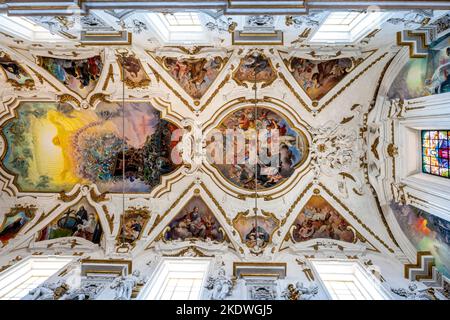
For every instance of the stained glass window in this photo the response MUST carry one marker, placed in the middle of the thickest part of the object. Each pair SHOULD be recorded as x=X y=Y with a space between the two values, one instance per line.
x=435 y=152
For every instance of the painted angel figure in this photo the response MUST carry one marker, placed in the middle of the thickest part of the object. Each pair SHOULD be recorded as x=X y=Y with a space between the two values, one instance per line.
x=220 y=285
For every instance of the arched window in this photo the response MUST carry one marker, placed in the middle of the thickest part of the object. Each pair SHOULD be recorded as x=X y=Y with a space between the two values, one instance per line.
x=177 y=279
x=435 y=152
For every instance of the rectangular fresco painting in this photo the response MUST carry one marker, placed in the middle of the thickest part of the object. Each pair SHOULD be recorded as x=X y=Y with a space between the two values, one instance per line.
x=426 y=232
x=435 y=152
x=51 y=147
x=424 y=76
x=133 y=223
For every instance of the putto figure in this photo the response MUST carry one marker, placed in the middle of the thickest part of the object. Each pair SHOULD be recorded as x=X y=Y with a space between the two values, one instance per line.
x=300 y=292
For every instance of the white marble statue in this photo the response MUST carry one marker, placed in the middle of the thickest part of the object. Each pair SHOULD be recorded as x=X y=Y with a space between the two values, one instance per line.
x=48 y=291
x=220 y=285
x=414 y=293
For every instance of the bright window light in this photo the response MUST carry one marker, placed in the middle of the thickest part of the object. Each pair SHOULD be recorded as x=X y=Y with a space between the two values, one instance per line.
x=17 y=281
x=177 y=279
x=26 y=29
x=348 y=280
x=178 y=27
x=348 y=26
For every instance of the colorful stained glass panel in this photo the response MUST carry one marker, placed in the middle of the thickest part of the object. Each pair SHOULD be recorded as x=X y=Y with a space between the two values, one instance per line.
x=435 y=152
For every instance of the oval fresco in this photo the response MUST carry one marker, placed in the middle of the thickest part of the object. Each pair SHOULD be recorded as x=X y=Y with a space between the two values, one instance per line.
x=283 y=148
x=52 y=147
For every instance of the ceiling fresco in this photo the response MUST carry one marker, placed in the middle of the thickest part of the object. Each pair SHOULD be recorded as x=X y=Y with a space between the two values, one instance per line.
x=80 y=220
x=319 y=220
x=14 y=221
x=256 y=233
x=195 y=221
x=120 y=149
x=132 y=71
x=132 y=226
x=255 y=67
x=427 y=232
x=15 y=74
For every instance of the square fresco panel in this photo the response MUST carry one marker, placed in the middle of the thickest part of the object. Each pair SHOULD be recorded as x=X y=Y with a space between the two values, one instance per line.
x=256 y=231
x=133 y=223
x=255 y=67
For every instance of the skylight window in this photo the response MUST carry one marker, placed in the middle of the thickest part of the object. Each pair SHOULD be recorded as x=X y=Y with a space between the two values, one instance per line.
x=178 y=27
x=26 y=29
x=177 y=279
x=348 y=280
x=348 y=27
x=17 y=281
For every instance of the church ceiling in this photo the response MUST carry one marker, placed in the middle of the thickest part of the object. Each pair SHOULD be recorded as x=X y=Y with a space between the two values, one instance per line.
x=76 y=113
